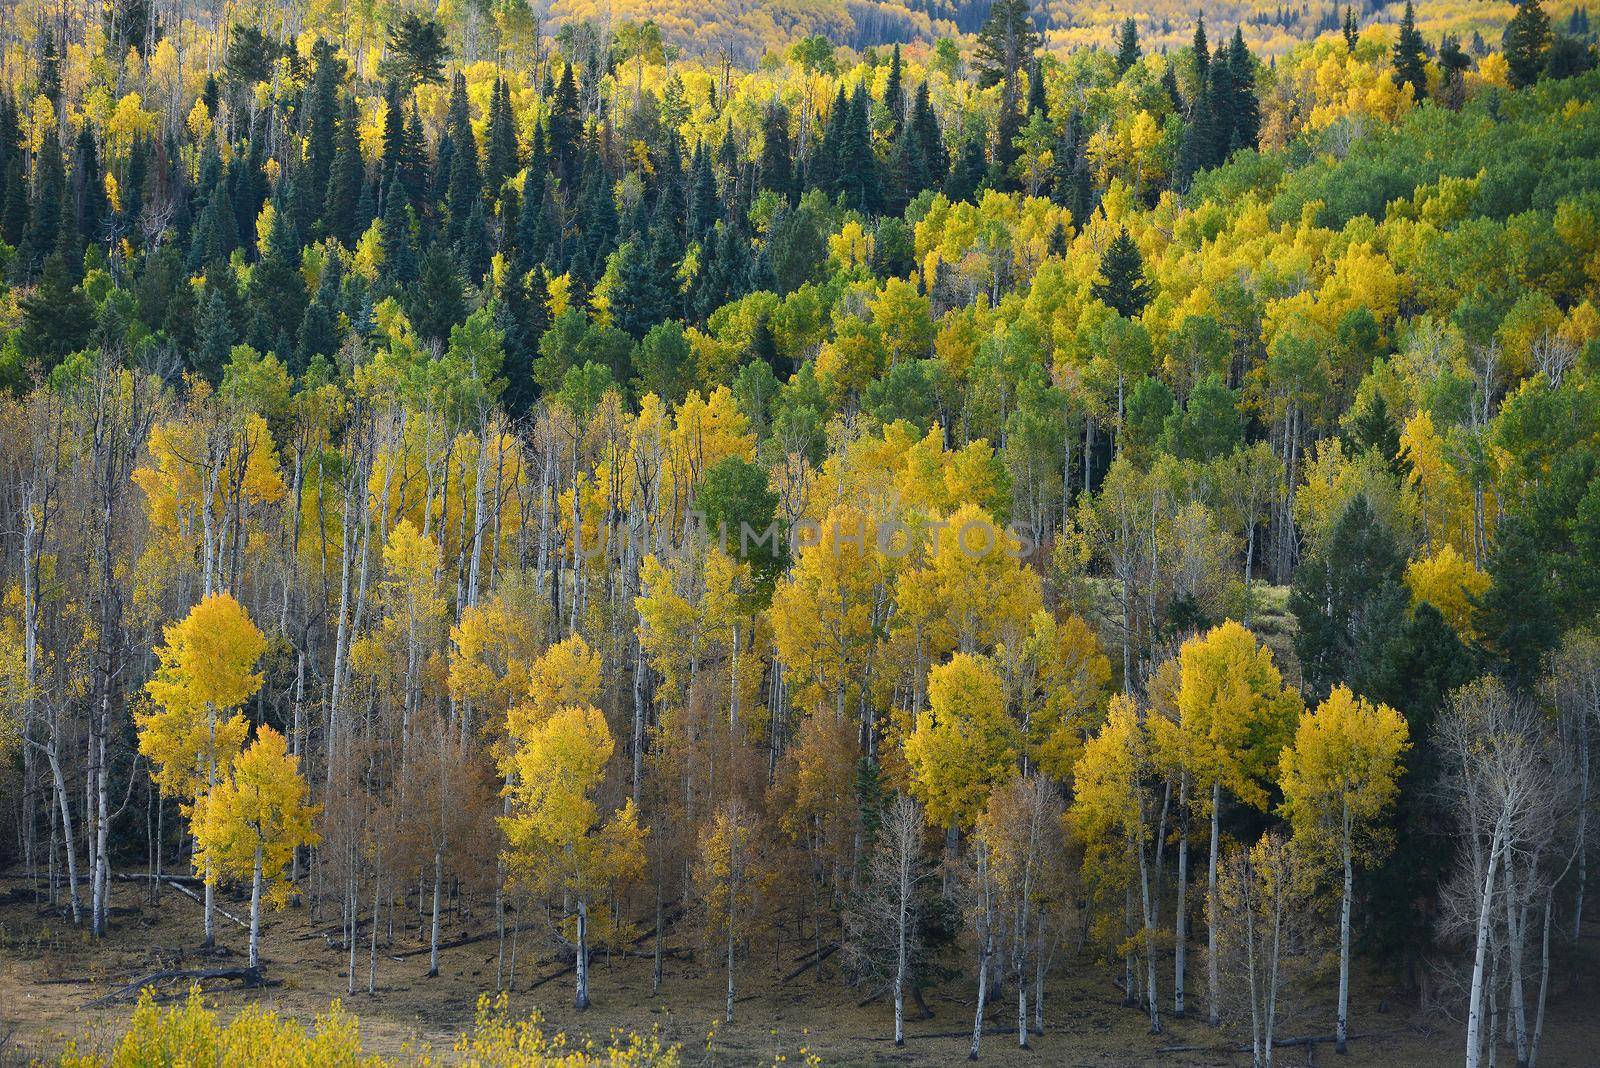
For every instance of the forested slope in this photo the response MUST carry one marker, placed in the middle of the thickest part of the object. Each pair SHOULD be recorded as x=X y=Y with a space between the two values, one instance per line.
x=670 y=502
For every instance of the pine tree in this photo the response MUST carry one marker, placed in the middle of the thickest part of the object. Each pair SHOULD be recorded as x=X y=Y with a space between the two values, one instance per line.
x=1518 y=616
x=436 y=302
x=1128 y=52
x=322 y=112
x=346 y=182
x=89 y=192
x=57 y=317
x=777 y=159
x=894 y=94
x=1201 y=53
x=500 y=155
x=1124 y=288
x=1527 y=37
x=399 y=246
x=214 y=340
x=1005 y=47
x=1409 y=66
x=43 y=234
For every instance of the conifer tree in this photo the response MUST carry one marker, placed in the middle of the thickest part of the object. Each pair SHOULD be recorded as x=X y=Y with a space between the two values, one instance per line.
x=1128 y=51
x=1409 y=66
x=1527 y=38
x=1123 y=288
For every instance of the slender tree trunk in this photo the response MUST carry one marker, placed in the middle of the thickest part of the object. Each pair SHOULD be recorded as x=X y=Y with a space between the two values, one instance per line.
x=1341 y=1030
x=581 y=1001
x=255 y=911
x=438 y=882
x=1180 y=924
x=1480 y=954
x=1213 y=987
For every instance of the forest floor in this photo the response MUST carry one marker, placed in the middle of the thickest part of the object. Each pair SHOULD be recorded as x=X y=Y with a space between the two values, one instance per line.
x=51 y=977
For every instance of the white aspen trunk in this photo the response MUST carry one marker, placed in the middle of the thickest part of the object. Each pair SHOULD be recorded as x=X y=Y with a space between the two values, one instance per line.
x=901 y=957
x=1341 y=1030
x=64 y=803
x=1544 y=982
x=255 y=911
x=1516 y=1014
x=438 y=883
x=983 y=991
x=1479 y=959
x=1180 y=925
x=1213 y=1007
x=581 y=999
x=1149 y=942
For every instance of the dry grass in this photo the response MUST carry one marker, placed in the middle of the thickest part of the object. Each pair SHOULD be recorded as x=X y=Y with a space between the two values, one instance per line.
x=50 y=973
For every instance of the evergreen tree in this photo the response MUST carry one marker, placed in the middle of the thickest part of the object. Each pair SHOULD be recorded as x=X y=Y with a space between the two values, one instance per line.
x=1527 y=37
x=1409 y=66
x=1201 y=53
x=1005 y=47
x=500 y=154
x=436 y=303
x=1128 y=52
x=50 y=70
x=322 y=112
x=346 y=182
x=1351 y=32
x=399 y=246
x=1338 y=588
x=894 y=94
x=57 y=318
x=417 y=52
x=14 y=200
x=1518 y=616
x=214 y=338
x=277 y=289
x=1123 y=287
x=43 y=234
x=89 y=193
x=565 y=126
x=777 y=159
x=1243 y=108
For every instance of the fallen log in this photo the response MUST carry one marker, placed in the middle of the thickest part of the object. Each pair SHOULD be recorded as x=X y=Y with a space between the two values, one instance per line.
x=250 y=977
x=816 y=959
x=190 y=894
x=454 y=943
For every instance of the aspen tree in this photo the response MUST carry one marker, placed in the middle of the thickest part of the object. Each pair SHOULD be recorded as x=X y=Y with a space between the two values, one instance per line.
x=252 y=821
x=1338 y=777
x=207 y=670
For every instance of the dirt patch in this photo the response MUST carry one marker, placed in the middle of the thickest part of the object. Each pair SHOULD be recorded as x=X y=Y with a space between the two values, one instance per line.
x=51 y=974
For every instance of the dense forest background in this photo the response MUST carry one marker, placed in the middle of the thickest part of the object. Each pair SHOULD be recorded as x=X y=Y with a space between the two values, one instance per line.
x=914 y=483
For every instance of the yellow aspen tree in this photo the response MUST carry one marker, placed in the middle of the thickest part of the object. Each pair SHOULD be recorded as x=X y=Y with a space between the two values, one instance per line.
x=1117 y=797
x=207 y=669
x=1065 y=680
x=252 y=821
x=558 y=841
x=1234 y=716
x=1452 y=584
x=963 y=743
x=1339 y=776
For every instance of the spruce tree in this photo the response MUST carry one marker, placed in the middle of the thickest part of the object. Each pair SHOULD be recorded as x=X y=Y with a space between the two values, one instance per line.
x=57 y=318
x=346 y=181
x=1245 y=127
x=1409 y=66
x=1123 y=287
x=44 y=220
x=214 y=338
x=1527 y=37
x=89 y=193
x=894 y=94
x=1128 y=52
x=1351 y=32
x=500 y=154
x=777 y=159
x=436 y=303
